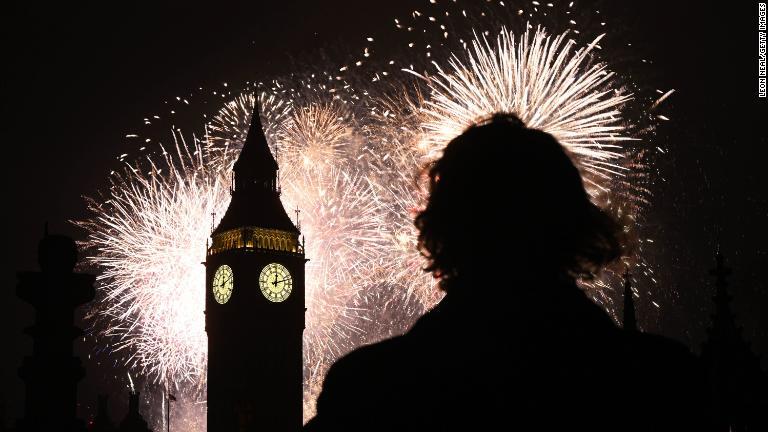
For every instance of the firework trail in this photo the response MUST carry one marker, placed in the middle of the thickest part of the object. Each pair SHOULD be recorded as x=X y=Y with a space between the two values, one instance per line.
x=350 y=162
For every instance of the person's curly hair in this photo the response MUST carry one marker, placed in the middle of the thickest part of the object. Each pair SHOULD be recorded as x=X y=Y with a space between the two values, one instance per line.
x=501 y=187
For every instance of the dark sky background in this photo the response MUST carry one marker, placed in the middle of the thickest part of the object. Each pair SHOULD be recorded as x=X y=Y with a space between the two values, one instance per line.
x=79 y=77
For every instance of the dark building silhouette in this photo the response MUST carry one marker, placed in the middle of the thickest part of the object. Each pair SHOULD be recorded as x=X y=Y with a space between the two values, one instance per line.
x=255 y=302
x=51 y=373
x=737 y=384
x=102 y=422
x=133 y=421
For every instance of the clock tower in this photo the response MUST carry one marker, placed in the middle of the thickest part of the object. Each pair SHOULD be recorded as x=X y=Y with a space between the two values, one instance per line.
x=254 y=304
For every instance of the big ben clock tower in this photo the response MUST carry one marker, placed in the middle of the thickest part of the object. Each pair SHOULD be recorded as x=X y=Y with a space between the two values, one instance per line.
x=254 y=302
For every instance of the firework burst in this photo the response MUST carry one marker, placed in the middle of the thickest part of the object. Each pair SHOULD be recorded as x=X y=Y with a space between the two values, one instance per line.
x=545 y=82
x=351 y=164
x=319 y=133
x=149 y=239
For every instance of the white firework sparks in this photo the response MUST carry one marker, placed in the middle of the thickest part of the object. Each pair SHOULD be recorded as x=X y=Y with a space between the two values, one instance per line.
x=321 y=132
x=149 y=237
x=547 y=83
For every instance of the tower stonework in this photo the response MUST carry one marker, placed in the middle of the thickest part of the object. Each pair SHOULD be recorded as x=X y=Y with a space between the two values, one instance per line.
x=254 y=307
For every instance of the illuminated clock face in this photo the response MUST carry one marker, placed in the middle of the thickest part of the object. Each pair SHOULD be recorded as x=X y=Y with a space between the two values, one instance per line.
x=223 y=282
x=275 y=282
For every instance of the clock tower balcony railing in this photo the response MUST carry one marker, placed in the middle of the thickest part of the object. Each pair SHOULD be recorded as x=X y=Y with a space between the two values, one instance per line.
x=255 y=238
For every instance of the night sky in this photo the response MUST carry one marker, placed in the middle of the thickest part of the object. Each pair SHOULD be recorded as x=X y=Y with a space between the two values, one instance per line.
x=79 y=77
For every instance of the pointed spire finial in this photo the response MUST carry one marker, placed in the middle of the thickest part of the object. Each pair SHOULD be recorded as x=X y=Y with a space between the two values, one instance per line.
x=629 y=319
x=721 y=273
x=256 y=167
x=255 y=179
x=256 y=111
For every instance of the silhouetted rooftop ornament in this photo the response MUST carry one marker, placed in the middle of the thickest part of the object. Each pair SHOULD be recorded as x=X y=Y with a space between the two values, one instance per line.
x=56 y=253
x=133 y=421
x=629 y=319
x=723 y=321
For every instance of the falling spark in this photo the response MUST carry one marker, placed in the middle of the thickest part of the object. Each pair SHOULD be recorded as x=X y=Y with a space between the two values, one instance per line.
x=130 y=380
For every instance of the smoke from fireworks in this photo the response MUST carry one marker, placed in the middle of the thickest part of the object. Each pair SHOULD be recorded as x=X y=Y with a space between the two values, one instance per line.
x=348 y=163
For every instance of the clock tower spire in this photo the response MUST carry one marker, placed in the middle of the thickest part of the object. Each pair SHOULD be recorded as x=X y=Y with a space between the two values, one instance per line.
x=255 y=185
x=255 y=302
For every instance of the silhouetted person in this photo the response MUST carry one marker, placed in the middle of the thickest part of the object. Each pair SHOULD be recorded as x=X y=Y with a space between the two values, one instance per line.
x=515 y=344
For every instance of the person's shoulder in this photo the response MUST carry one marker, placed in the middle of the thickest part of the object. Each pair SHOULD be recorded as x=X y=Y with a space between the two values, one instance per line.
x=667 y=379
x=663 y=350
x=368 y=367
x=384 y=364
x=359 y=386
x=663 y=359
x=368 y=359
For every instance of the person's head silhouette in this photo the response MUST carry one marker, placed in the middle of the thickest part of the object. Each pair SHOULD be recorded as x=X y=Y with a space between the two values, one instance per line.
x=507 y=201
